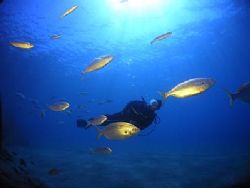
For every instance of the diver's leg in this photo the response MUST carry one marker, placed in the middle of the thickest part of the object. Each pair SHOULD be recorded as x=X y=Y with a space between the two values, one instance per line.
x=81 y=123
x=113 y=118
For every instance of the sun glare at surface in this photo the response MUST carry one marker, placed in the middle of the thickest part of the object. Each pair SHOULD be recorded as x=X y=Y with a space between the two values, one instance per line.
x=135 y=5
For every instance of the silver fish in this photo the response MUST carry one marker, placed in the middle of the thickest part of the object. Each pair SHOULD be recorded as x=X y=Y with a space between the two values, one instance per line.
x=97 y=120
x=161 y=37
x=101 y=150
x=70 y=10
x=59 y=106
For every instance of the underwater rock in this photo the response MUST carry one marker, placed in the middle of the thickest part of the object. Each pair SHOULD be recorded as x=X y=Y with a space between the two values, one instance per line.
x=14 y=153
x=22 y=162
x=53 y=171
x=245 y=184
x=1 y=123
x=5 y=156
x=12 y=176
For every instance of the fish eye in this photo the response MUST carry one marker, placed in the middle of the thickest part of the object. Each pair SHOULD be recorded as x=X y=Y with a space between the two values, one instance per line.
x=125 y=132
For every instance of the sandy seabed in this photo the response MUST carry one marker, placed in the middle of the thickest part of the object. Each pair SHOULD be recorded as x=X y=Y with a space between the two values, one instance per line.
x=79 y=168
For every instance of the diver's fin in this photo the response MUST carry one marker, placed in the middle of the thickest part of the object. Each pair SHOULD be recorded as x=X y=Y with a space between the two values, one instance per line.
x=231 y=97
x=81 y=123
x=99 y=132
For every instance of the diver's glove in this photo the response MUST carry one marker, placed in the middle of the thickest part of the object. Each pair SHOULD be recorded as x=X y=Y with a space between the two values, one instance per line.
x=81 y=123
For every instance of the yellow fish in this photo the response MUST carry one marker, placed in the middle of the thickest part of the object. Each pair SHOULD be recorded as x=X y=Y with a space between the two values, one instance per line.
x=118 y=131
x=59 y=106
x=24 y=45
x=98 y=63
x=161 y=37
x=189 y=88
x=70 y=10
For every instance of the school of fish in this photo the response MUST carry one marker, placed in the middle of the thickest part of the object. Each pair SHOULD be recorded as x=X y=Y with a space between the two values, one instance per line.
x=125 y=130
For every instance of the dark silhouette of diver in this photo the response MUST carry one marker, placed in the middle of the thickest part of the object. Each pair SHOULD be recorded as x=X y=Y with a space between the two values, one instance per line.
x=139 y=113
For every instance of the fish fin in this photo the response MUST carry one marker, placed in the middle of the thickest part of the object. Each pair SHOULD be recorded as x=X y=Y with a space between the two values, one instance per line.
x=162 y=94
x=231 y=97
x=99 y=132
x=42 y=114
x=153 y=41
x=61 y=17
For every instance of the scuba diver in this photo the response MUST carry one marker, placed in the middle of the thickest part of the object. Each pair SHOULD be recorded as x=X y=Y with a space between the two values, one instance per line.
x=139 y=113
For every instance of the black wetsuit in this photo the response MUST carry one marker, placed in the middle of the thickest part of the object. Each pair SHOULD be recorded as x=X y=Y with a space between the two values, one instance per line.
x=136 y=112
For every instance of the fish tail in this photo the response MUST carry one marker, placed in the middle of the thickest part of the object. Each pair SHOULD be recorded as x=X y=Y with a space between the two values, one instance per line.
x=231 y=97
x=163 y=95
x=88 y=124
x=99 y=132
x=152 y=42
x=82 y=76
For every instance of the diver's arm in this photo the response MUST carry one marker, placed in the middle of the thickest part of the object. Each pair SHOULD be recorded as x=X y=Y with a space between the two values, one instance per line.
x=146 y=122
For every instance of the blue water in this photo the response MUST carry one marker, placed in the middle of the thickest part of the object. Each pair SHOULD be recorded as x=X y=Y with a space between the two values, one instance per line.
x=210 y=39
